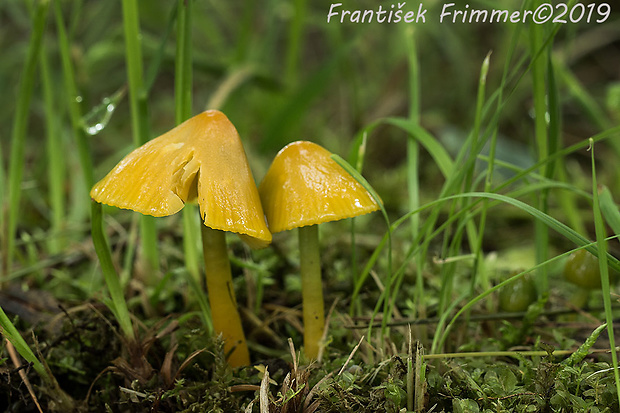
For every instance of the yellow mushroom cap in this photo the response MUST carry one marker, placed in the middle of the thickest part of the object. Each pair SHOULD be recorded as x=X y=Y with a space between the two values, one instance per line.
x=305 y=186
x=201 y=157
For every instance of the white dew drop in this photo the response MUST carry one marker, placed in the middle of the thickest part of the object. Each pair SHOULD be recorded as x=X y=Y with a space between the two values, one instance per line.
x=99 y=117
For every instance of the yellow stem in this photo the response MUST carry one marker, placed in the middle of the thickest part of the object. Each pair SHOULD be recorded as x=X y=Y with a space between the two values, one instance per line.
x=226 y=319
x=312 y=289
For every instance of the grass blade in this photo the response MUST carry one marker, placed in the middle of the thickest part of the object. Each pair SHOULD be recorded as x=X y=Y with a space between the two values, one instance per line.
x=601 y=244
x=139 y=120
x=387 y=303
x=74 y=99
x=55 y=160
x=429 y=142
x=183 y=111
x=118 y=304
x=20 y=124
x=413 y=160
x=10 y=333
x=539 y=54
x=609 y=209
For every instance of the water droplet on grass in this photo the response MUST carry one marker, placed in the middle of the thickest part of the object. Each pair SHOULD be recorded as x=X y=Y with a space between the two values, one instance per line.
x=97 y=119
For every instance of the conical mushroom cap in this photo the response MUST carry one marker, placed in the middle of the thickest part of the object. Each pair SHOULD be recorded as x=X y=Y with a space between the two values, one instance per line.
x=201 y=157
x=305 y=186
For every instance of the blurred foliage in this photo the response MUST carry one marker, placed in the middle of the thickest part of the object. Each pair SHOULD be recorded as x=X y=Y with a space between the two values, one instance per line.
x=282 y=73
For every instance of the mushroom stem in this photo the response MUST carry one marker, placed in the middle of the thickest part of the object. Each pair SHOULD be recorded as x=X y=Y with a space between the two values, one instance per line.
x=312 y=289
x=226 y=319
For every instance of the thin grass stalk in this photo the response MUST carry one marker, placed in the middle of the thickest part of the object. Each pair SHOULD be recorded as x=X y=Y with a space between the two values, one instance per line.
x=554 y=110
x=183 y=111
x=183 y=62
x=475 y=133
x=246 y=30
x=77 y=6
x=295 y=36
x=130 y=252
x=133 y=57
x=539 y=90
x=462 y=177
x=600 y=119
x=79 y=200
x=387 y=304
x=452 y=246
x=488 y=183
x=118 y=305
x=554 y=134
x=205 y=311
x=155 y=63
x=56 y=167
x=359 y=165
x=601 y=244
x=479 y=262
x=426 y=240
x=18 y=133
x=74 y=100
x=566 y=199
x=410 y=369
x=139 y=120
x=150 y=78
x=609 y=209
x=413 y=159
x=61 y=400
x=587 y=102
x=10 y=332
x=476 y=246
x=451 y=240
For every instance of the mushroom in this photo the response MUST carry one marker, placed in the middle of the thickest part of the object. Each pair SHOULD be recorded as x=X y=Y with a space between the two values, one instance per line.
x=201 y=158
x=582 y=270
x=518 y=295
x=304 y=187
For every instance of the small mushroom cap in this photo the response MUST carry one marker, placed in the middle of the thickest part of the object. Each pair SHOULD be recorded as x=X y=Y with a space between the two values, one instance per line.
x=582 y=269
x=305 y=186
x=203 y=157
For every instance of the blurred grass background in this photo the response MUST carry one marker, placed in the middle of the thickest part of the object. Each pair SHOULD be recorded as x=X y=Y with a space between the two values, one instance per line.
x=281 y=73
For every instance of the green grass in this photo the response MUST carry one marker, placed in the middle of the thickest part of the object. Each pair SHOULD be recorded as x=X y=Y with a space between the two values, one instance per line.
x=18 y=135
x=601 y=244
x=474 y=139
x=138 y=104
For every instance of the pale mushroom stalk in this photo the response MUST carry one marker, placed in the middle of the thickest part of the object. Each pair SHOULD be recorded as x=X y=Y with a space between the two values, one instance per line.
x=311 y=288
x=222 y=300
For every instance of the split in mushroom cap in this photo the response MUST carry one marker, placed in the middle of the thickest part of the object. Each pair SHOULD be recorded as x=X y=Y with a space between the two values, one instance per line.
x=201 y=157
x=305 y=186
